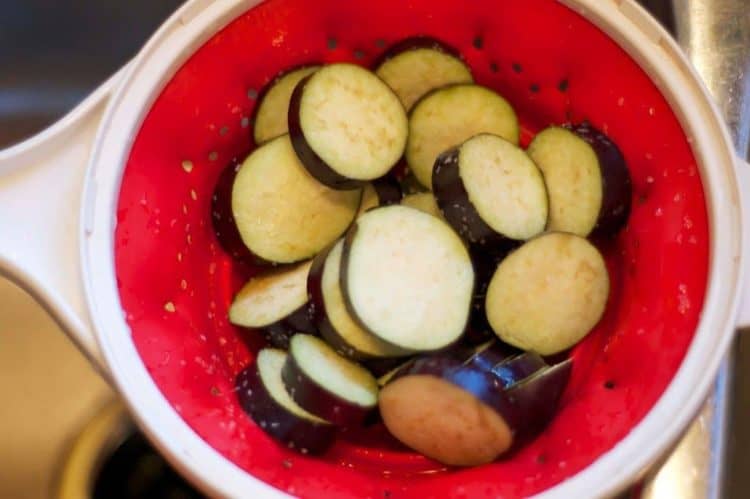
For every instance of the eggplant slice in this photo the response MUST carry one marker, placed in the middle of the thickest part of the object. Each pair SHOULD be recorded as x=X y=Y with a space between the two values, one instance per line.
x=331 y=316
x=588 y=181
x=417 y=65
x=347 y=126
x=407 y=278
x=446 y=117
x=490 y=191
x=275 y=303
x=462 y=414
x=448 y=411
x=548 y=294
x=264 y=398
x=273 y=110
x=282 y=213
x=617 y=185
x=223 y=221
x=327 y=384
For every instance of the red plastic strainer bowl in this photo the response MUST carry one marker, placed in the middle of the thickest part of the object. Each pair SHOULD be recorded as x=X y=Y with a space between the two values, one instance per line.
x=146 y=228
x=554 y=67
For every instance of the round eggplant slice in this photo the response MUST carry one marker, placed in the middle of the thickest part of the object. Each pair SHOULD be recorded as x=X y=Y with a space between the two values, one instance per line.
x=282 y=213
x=327 y=384
x=548 y=294
x=222 y=218
x=407 y=278
x=464 y=415
x=264 y=398
x=490 y=191
x=271 y=117
x=331 y=316
x=347 y=126
x=417 y=65
x=438 y=409
x=446 y=117
x=616 y=182
x=275 y=303
x=425 y=202
x=587 y=179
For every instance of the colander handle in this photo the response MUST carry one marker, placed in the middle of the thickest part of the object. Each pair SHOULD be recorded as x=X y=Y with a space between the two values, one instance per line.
x=41 y=182
x=743 y=170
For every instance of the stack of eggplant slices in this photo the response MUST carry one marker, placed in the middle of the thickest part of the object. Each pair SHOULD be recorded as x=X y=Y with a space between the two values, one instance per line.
x=423 y=268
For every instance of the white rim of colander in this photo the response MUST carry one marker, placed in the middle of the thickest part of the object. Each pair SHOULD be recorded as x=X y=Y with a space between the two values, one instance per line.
x=627 y=24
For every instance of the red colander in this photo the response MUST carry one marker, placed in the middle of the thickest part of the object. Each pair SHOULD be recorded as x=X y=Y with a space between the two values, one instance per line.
x=122 y=252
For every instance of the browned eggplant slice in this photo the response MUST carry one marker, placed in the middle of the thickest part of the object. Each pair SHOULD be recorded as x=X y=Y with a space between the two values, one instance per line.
x=548 y=294
x=464 y=415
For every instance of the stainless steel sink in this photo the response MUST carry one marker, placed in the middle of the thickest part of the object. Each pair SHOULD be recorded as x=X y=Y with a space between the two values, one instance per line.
x=54 y=53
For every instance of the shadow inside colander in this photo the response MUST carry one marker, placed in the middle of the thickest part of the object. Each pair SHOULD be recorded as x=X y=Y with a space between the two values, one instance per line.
x=554 y=67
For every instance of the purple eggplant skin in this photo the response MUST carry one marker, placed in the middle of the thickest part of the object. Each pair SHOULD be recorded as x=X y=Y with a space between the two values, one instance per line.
x=485 y=264
x=315 y=399
x=617 y=188
x=280 y=332
x=223 y=222
x=289 y=429
x=414 y=43
x=388 y=190
x=313 y=163
x=410 y=185
x=536 y=399
x=454 y=202
x=515 y=369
